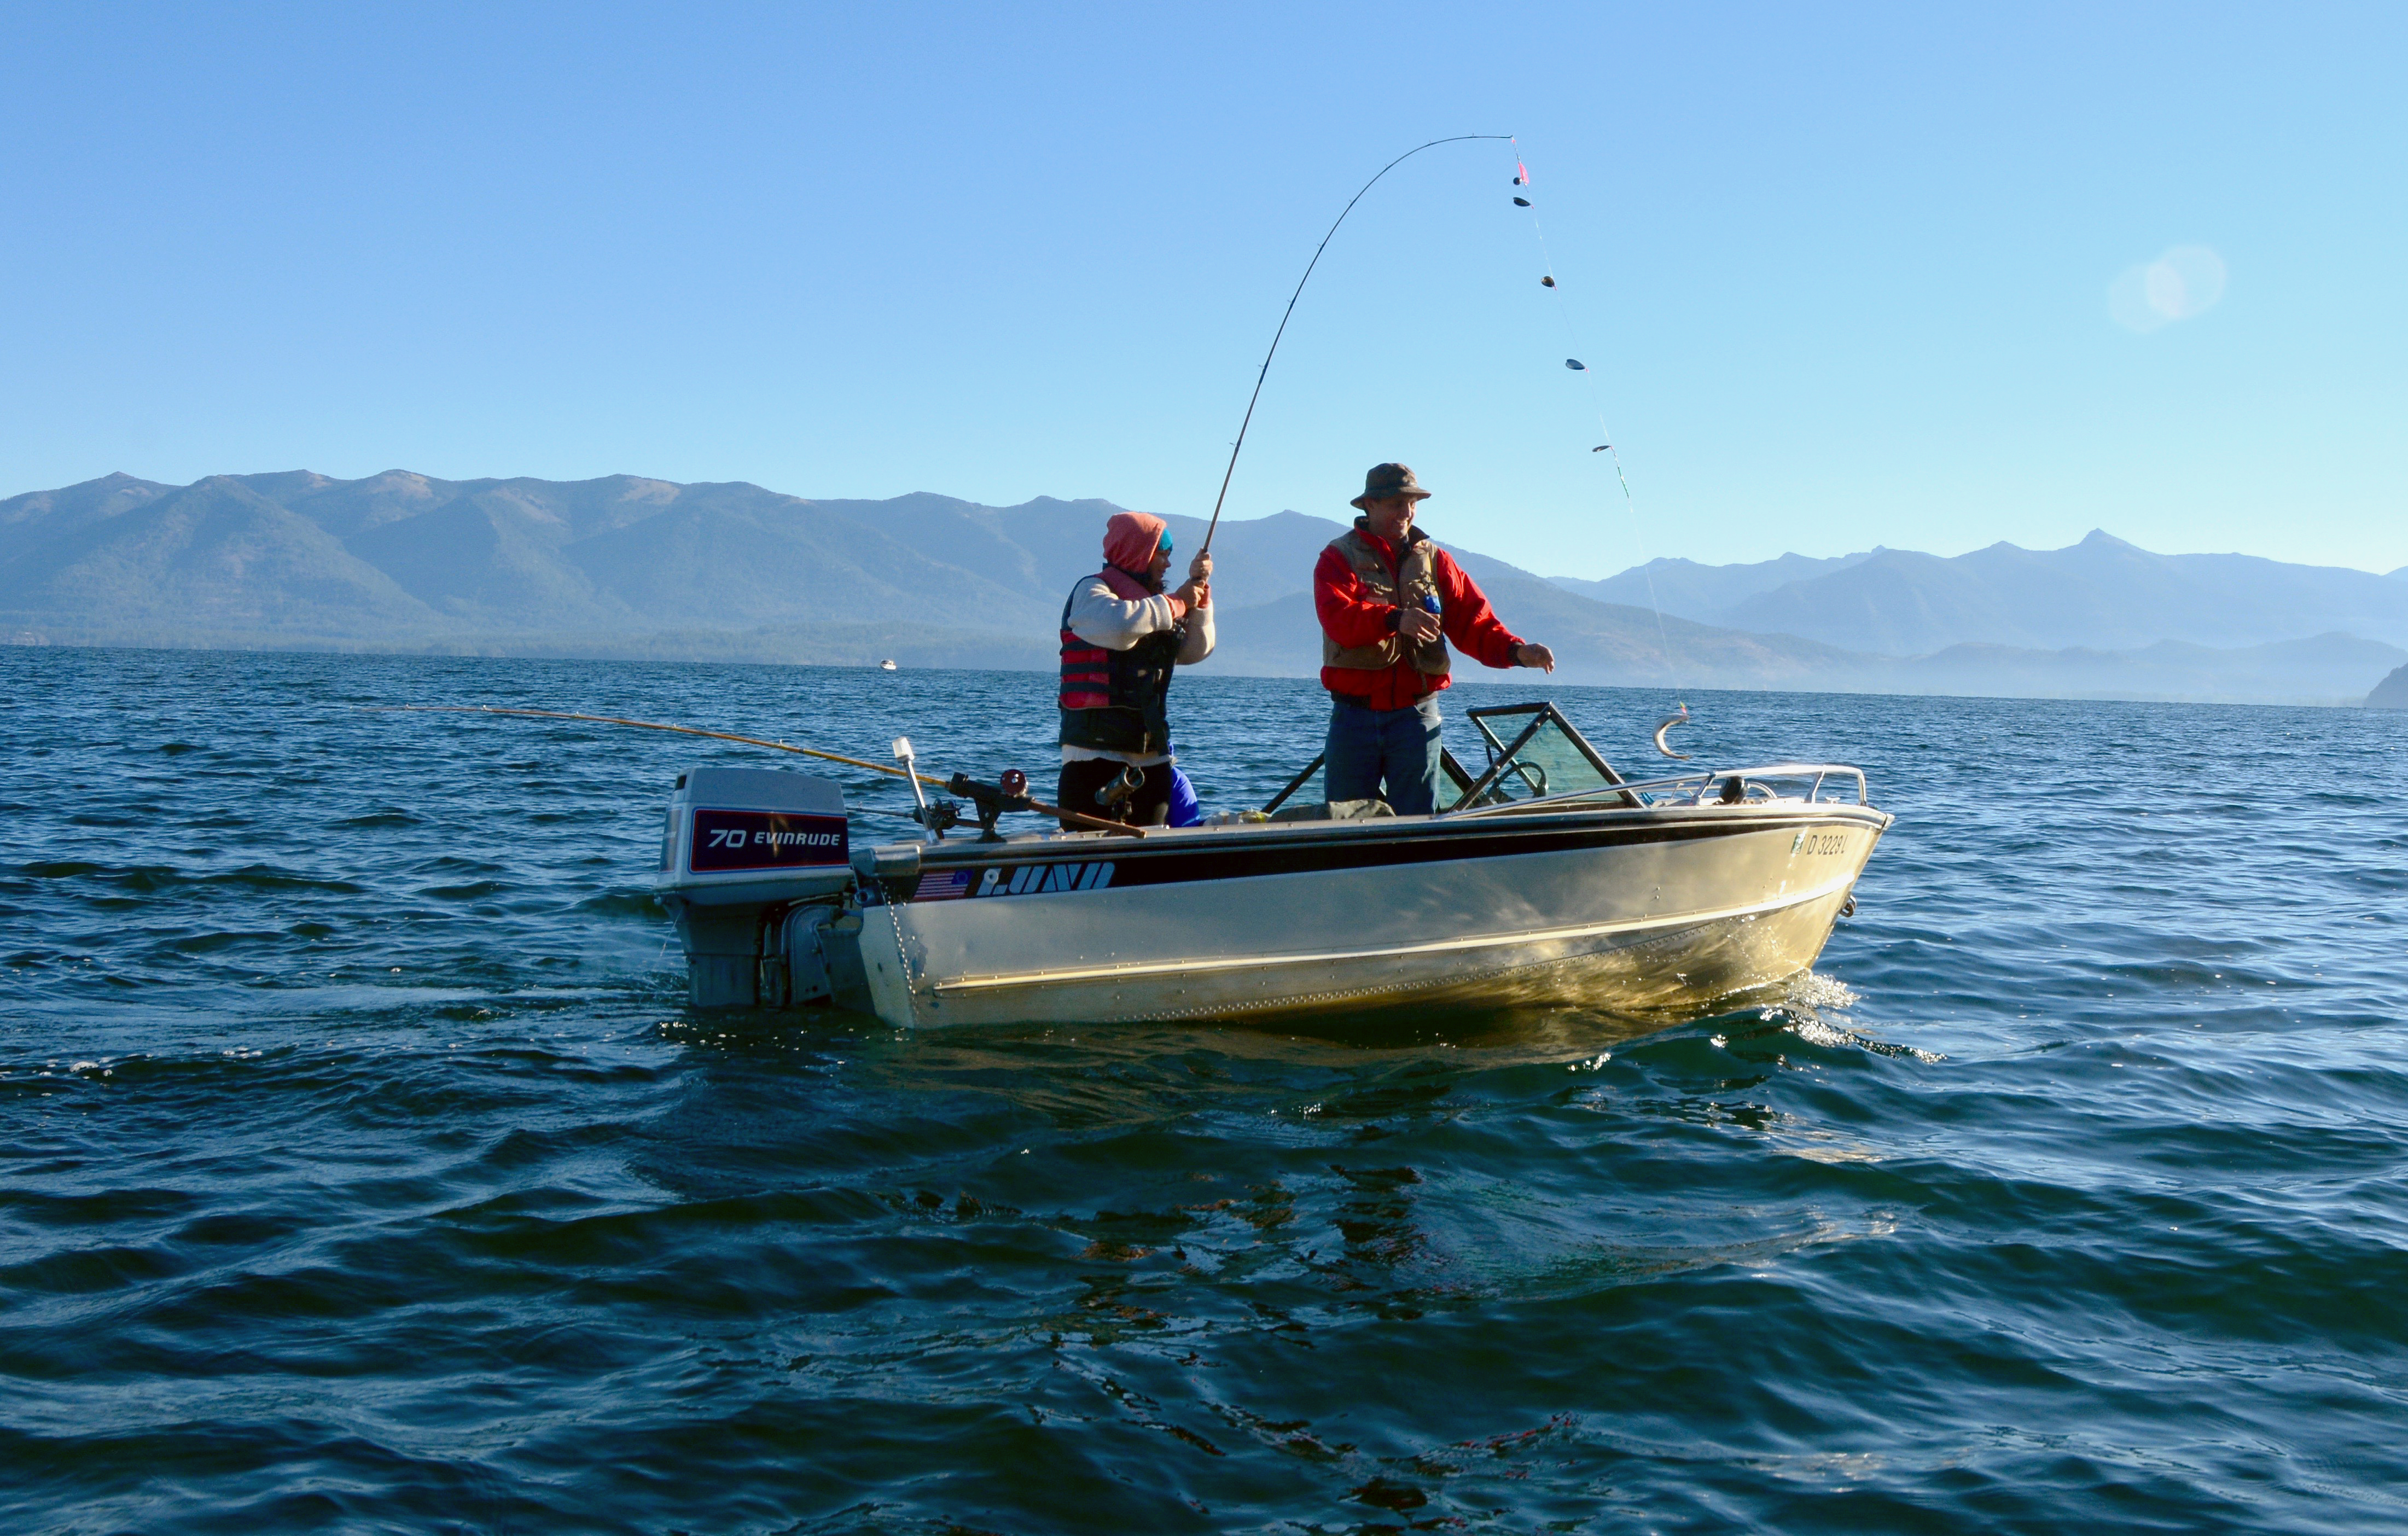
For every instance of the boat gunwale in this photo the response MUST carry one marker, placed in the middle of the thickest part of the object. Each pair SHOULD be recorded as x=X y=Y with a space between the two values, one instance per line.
x=1690 y=820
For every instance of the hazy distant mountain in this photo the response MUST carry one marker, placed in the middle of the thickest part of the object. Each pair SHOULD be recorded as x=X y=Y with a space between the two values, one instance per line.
x=2392 y=692
x=402 y=556
x=212 y=555
x=2101 y=592
x=1702 y=592
x=629 y=567
x=2320 y=670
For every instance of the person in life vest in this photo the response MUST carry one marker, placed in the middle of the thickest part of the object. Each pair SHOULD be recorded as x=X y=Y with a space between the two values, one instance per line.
x=1122 y=635
x=1389 y=600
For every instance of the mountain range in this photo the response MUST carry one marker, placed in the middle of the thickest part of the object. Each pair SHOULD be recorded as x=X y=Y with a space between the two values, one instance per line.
x=2101 y=591
x=629 y=567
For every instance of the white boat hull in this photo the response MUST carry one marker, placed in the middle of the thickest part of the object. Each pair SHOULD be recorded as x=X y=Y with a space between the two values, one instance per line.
x=1627 y=910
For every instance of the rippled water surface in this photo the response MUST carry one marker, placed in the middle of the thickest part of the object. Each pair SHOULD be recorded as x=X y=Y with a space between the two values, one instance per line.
x=365 y=1170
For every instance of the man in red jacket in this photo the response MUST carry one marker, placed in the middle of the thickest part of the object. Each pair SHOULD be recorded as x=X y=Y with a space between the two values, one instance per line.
x=1389 y=600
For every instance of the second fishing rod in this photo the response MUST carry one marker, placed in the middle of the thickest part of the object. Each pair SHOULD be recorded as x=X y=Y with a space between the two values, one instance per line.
x=1010 y=795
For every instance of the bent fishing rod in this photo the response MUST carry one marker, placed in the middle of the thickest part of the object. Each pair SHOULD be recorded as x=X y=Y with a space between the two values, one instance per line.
x=1265 y=371
x=914 y=776
x=1521 y=179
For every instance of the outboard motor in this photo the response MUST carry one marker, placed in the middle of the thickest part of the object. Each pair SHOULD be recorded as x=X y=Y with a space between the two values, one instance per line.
x=754 y=868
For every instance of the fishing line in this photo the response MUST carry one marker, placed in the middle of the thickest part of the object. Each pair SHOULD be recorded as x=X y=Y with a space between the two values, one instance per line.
x=1521 y=179
x=656 y=726
x=1264 y=372
x=1097 y=823
x=1629 y=502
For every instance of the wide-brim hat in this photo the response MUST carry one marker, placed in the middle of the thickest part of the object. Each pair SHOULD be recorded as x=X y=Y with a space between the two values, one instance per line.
x=1382 y=480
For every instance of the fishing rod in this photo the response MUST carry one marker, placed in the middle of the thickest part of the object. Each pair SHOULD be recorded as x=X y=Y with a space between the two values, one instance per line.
x=656 y=726
x=911 y=775
x=1239 y=446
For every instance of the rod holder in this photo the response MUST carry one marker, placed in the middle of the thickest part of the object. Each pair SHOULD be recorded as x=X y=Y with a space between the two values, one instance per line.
x=919 y=796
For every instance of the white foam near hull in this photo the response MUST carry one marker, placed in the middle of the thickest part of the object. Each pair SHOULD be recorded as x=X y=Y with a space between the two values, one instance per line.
x=1700 y=903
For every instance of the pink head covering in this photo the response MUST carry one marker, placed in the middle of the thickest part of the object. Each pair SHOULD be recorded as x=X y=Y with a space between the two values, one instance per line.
x=1130 y=539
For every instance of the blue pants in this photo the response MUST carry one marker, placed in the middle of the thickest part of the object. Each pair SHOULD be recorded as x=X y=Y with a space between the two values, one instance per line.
x=1369 y=745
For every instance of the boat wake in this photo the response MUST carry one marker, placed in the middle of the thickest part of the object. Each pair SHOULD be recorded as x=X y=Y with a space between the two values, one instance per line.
x=1808 y=996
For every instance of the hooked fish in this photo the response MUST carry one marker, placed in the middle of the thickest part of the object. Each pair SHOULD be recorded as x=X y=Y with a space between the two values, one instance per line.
x=1668 y=722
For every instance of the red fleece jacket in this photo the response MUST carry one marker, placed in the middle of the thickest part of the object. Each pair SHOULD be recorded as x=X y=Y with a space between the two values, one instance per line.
x=1350 y=616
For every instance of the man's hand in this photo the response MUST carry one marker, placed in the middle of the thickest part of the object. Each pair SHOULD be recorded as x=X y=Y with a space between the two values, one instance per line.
x=1415 y=625
x=1199 y=570
x=1195 y=594
x=1535 y=655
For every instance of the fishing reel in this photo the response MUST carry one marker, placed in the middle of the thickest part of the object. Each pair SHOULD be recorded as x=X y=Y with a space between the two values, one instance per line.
x=992 y=800
x=938 y=816
x=1112 y=795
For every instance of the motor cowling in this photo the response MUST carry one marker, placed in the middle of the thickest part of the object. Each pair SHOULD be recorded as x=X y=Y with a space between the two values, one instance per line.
x=754 y=866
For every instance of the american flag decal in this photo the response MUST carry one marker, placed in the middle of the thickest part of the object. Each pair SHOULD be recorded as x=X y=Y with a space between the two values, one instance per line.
x=942 y=885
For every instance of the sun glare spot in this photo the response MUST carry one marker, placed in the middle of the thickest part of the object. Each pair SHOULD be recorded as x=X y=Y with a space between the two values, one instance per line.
x=2184 y=282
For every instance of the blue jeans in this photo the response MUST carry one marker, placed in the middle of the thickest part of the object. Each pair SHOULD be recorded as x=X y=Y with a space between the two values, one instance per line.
x=1369 y=745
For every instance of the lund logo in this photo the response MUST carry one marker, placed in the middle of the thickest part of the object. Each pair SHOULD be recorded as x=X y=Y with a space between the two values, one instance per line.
x=1034 y=879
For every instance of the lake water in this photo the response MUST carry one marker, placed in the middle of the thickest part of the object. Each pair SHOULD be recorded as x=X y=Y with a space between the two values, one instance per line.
x=365 y=1172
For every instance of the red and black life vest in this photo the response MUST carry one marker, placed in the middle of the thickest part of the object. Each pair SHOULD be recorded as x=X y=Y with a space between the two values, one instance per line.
x=1116 y=700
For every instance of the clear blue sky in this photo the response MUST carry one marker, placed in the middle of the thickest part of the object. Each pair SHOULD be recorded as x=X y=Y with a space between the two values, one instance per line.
x=1843 y=275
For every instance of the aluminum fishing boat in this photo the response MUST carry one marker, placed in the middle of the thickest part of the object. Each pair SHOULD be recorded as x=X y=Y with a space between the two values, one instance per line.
x=1549 y=879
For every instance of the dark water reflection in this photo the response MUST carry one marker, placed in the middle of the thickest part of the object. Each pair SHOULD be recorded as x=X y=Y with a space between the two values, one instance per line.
x=364 y=1171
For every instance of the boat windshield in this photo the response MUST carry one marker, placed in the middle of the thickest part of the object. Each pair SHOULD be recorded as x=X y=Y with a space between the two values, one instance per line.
x=1533 y=754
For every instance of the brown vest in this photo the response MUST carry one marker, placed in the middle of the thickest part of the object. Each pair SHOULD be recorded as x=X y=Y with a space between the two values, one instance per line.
x=1416 y=576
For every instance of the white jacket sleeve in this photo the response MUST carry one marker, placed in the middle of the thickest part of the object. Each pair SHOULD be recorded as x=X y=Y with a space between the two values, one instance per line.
x=1100 y=618
x=1197 y=643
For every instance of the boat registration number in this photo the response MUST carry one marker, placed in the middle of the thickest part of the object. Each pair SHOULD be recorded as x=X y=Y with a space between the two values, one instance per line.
x=1814 y=842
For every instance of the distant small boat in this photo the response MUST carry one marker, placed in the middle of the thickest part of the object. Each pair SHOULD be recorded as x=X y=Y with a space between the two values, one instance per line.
x=886 y=665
